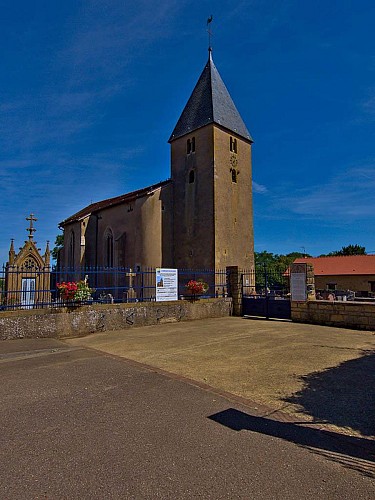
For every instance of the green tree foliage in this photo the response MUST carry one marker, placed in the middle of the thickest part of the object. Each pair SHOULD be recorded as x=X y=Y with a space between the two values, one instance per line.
x=270 y=270
x=59 y=243
x=277 y=260
x=265 y=258
x=348 y=250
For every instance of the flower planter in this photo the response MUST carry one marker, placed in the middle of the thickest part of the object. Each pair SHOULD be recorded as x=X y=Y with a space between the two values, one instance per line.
x=196 y=289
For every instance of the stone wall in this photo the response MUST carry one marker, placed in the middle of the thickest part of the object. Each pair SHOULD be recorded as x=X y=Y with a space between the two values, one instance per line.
x=354 y=315
x=357 y=283
x=79 y=321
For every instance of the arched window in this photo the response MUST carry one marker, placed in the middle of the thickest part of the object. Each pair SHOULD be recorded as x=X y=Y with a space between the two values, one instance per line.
x=108 y=253
x=193 y=144
x=71 y=250
x=191 y=176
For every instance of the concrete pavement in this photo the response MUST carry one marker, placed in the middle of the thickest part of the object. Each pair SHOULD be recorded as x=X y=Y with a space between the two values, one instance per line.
x=318 y=374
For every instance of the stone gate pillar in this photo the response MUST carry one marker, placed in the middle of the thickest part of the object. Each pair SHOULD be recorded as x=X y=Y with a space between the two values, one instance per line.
x=234 y=281
x=310 y=282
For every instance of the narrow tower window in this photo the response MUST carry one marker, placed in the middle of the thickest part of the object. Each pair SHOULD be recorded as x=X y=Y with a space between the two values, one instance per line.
x=234 y=175
x=191 y=176
x=190 y=146
x=233 y=145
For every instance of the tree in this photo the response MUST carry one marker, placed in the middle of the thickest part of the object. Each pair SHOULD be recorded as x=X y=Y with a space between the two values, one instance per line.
x=277 y=260
x=285 y=261
x=348 y=250
x=271 y=269
x=265 y=258
x=59 y=243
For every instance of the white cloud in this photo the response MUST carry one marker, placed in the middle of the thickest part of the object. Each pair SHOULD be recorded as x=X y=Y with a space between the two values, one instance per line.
x=83 y=75
x=347 y=196
x=259 y=188
x=340 y=201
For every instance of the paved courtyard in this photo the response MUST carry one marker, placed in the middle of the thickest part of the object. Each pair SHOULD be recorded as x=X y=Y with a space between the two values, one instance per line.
x=321 y=374
x=186 y=411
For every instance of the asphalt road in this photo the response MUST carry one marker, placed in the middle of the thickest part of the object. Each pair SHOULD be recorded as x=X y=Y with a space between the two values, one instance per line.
x=77 y=423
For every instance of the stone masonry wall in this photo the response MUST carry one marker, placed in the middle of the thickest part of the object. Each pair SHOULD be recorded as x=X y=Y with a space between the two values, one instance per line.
x=354 y=315
x=83 y=320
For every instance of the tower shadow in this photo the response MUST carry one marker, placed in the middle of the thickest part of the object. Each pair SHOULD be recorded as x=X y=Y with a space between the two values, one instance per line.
x=343 y=395
x=352 y=452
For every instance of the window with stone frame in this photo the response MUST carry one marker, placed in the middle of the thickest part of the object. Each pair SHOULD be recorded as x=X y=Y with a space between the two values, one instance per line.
x=108 y=251
x=190 y=145
x=71 y=250
x=233 y=145
x=331 y=286
x=29 y=264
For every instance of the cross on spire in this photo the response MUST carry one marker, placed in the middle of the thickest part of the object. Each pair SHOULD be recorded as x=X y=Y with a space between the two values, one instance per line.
x=31 y=229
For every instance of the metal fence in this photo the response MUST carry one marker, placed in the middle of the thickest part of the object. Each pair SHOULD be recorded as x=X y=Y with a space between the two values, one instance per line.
x=29 y=288
x=266 y=281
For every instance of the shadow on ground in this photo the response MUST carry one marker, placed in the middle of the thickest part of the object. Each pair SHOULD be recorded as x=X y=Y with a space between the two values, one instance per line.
x=352 y=452
x=343 y=395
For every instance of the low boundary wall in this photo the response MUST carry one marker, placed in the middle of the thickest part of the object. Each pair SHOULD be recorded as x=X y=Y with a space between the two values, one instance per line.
x=83 y=320
x=356 y=315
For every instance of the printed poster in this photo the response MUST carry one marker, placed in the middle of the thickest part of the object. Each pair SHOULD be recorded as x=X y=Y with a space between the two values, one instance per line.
x=166 y=284
x=298 y=286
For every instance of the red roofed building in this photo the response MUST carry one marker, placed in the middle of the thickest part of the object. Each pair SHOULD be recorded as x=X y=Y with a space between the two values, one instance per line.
x=352 y=272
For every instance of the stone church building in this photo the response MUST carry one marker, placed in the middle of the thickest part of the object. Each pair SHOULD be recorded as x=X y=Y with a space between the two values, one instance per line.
x=200 y=218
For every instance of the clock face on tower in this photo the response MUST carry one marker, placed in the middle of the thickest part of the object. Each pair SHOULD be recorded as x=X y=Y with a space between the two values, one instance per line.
x=233 y=161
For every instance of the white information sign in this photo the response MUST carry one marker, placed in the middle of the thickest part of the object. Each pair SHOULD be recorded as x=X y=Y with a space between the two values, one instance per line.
x=298 y=287
x=166 y=284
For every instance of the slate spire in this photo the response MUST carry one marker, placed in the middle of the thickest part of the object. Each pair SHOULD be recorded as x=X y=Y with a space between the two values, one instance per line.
x=210 y=102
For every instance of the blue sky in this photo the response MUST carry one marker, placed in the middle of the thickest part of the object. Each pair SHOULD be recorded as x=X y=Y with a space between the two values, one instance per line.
x=91 y=90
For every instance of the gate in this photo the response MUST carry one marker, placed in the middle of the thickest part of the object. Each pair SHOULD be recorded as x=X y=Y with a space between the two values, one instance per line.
x=266 y=293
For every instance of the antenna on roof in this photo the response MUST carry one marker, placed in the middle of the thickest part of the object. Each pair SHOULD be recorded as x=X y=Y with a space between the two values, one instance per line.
x=209 y=21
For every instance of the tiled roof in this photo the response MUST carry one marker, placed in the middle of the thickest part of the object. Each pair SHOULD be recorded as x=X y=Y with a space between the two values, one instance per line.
x=210 y=102
x=335 y=266
x=110 y=202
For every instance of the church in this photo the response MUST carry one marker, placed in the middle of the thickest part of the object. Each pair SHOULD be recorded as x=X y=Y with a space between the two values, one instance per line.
x=200 y=218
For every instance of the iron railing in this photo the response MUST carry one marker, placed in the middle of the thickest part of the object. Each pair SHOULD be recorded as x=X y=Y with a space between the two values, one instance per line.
x=29 y=288
x=266 y=281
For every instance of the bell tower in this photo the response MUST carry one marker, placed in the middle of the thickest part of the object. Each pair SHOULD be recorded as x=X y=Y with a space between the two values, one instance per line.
x=211 y=178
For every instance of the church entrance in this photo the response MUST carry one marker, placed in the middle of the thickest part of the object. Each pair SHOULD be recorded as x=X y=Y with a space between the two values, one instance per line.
x=266 y=293
x=28 y=293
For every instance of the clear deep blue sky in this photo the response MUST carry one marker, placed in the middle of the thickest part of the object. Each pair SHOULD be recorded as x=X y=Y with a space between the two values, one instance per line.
x=91 y=90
